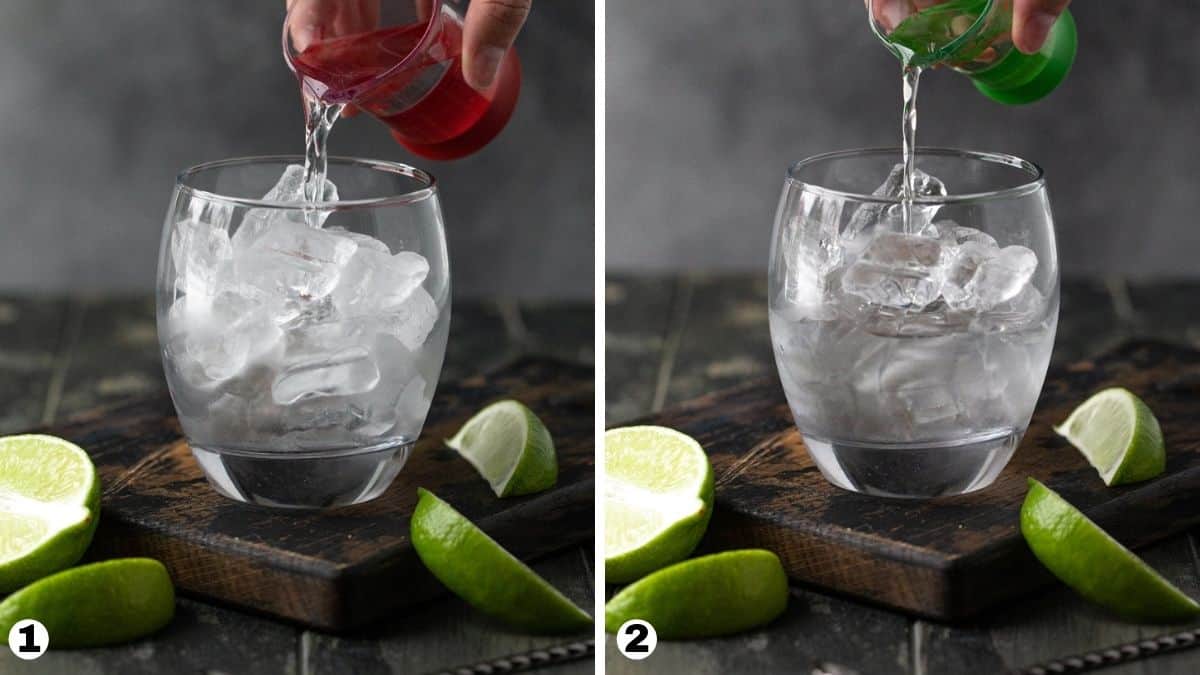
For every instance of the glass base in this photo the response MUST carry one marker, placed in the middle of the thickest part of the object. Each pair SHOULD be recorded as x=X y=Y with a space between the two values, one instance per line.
x=303 y=480
x=914 y=470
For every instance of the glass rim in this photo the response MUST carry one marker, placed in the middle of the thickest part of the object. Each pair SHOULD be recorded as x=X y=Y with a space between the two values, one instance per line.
x=413 y=196
x=435 y=9
x=1037 y=182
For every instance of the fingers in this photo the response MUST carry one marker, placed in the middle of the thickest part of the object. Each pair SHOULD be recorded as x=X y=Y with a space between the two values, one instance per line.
x=356 y=16
x=304 y=19
x=1032 y=20
x=491 y=27
x=312 y=21
x=889 y=13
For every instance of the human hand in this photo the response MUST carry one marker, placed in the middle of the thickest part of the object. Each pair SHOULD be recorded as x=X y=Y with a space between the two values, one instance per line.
x=1032 y=19
x=490 y=28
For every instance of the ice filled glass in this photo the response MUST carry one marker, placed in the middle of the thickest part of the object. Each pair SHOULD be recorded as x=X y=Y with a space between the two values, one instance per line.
x=302 y=340
x=912 y=347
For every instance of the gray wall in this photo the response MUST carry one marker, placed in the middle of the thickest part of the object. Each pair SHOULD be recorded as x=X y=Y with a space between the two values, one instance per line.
x=101 y=103
x=707 y=108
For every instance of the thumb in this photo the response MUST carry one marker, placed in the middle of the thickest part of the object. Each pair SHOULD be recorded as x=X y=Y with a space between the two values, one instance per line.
x=1032 y=20
x=491 y=27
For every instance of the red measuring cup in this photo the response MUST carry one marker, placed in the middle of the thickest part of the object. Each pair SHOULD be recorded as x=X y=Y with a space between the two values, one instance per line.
x=400 y=61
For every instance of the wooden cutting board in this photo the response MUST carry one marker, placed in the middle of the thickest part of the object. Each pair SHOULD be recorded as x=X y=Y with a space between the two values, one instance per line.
x=946 y=558
x=344 y=568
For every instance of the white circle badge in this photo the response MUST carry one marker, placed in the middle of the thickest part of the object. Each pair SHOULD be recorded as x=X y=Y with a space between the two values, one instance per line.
x=28 y=639
x=636 y=639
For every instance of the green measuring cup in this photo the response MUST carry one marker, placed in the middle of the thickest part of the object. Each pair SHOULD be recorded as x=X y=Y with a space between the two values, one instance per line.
x=974 y=37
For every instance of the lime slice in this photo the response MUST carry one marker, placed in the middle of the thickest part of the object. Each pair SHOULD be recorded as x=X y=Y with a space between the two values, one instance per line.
x=1098 y=567
x=99 y=604
x=1118 y=435
x=658 y=496
x=713 y=595
x=49 y=507
x=510 y=447
x=490 y=579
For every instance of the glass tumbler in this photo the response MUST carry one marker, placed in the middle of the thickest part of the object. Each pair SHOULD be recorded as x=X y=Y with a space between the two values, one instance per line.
x=302 y=343
x=912 y=351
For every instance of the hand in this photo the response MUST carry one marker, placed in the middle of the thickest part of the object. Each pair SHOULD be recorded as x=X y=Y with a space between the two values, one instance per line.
x=490 y=28
x=489 y=31
x=1032 y=19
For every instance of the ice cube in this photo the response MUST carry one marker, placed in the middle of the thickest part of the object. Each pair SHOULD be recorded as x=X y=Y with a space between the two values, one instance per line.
x=805 y=288
x=351 y=370
x=1027 y=307
x=811 y=250
x=307 y=417
x=375 y=282
x=364 y=241
x=937 y=318
x=307 y=339
x=199 y=247
x=964 y=235
x=219 y=340
x=959 y=271
x=413 y=320
x=288 y=190
x=413 y=406
x=293 y=265
x=921 y=374
x=896 y=249
x=896 y=270
x=383 y=405
x=890 y=216
x=1002 y=277
x=899 y=287
x=924 y=185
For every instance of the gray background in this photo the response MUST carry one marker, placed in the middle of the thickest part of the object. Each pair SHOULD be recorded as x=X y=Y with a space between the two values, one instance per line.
x=101 y=103
x=706 y=108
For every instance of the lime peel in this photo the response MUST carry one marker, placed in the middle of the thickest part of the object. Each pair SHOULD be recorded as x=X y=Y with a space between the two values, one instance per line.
x=1118 y=435
x=710 y=596
x=658 y=499
x=1094 y=564
x=99 y=604
x=489 y=578
x=49 y=507
x=510 y=447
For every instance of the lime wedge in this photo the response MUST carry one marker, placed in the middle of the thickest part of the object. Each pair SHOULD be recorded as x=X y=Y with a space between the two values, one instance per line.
x=510 y=447
x=1118 y=435
x=1098 y=567
x=102 y=603
x=658 y=496
x=712 y=595
x=489 y=578
x=49 y=507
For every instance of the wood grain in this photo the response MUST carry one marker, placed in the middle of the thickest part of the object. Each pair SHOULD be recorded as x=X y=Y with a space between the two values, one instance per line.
x=338 y=569
x=838 y=631
x=940 y=558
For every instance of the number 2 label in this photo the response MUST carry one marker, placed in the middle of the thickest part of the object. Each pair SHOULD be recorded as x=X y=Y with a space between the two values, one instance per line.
x=636 y=639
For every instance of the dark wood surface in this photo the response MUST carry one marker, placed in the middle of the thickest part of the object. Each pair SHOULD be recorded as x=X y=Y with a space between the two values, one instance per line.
x=953 y=557
x=61 y=356
x=333 y=570
x=670 y=339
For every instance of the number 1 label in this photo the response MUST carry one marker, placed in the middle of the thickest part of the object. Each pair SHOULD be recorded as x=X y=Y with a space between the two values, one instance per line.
x=28 y=639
